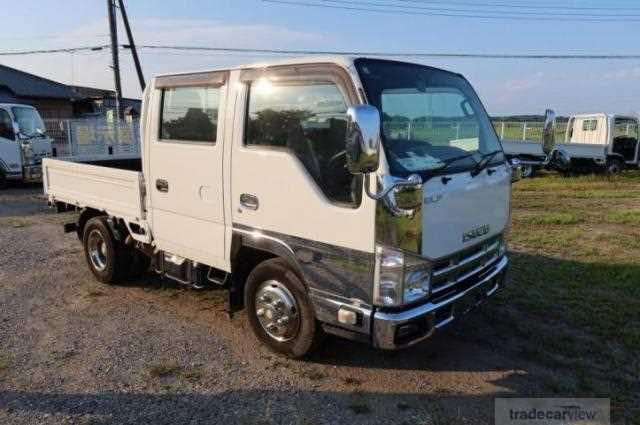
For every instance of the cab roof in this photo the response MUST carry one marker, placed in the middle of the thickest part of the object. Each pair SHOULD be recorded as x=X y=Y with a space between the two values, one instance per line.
x=342 y=60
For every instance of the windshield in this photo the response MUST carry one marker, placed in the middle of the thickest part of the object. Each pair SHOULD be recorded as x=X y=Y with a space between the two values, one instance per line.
x=431 y=119
x=29 y=120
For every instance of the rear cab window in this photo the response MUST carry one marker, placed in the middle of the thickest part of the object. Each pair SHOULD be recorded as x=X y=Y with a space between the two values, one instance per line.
x=189 y=114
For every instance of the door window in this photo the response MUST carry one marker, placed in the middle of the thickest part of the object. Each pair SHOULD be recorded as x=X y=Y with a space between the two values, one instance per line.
x=190 y=114
x=6 y=126
x=309 y=119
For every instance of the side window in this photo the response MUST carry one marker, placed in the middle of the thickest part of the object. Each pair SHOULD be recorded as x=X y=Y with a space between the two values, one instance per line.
x=190 y=114
x=589 y=125
x=310 y=120
x=6 y=126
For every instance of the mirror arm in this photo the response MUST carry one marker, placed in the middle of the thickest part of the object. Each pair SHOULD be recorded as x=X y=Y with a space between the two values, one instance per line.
x=411 y=182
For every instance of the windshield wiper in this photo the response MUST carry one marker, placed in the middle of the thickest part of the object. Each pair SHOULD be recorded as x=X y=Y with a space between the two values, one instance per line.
x=449 y=161
x=484 y=161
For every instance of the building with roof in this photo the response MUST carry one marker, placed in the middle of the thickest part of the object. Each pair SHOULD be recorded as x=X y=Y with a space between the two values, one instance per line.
x=52 y=99
x=57 y=100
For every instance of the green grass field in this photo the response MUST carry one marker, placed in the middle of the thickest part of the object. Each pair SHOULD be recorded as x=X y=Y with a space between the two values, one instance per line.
x=573 y=304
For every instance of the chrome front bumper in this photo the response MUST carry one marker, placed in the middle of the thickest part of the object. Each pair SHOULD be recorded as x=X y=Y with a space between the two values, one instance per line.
x=394 y=330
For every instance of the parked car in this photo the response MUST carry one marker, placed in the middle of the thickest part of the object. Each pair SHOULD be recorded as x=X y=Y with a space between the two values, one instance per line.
x=23 y=144
x=592 y=142
x=278 y=182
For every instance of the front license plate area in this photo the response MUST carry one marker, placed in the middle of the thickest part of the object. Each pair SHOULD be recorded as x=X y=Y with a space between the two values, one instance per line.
x=473 y=298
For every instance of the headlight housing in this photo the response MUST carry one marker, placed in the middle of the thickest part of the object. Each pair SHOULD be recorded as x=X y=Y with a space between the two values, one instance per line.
x=400 y=278
x=28 y=154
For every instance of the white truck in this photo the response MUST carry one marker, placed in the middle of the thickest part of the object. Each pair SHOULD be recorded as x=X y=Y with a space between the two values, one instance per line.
x=23 y=144
x=592 y=142
x=278 y=182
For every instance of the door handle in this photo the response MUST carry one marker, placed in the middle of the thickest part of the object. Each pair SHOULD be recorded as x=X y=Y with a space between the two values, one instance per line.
x=162 y=185
x=249 y=201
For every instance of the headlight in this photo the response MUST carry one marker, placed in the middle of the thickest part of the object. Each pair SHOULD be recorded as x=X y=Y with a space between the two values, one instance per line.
x=28 y=154
x=400 y=278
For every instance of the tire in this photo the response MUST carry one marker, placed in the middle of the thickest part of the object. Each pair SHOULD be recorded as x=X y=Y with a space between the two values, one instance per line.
x=615 y=166
x=528 y=171
x=107 y=258
x=272 y=281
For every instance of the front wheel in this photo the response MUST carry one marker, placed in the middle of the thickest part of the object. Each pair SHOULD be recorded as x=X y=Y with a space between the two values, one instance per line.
x=528 y=171
x=279 y=310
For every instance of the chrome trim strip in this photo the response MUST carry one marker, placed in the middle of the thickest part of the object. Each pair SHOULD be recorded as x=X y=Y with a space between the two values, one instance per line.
x=257 y=234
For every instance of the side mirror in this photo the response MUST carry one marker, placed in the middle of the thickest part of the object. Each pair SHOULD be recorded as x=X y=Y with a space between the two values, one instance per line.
x=363 y=139
x=549 y=132
x=516 y=169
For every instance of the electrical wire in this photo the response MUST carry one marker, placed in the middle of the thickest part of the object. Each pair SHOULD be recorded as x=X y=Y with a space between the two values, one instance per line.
x=547 y=6
x=386 y=4
x=60 y=50
x=399 y=54
x=475 y=15
x=243 y=50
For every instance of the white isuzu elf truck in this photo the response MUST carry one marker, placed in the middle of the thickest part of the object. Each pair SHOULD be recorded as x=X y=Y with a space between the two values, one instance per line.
x=23 y=144
x=592 y=142
x=284 y=183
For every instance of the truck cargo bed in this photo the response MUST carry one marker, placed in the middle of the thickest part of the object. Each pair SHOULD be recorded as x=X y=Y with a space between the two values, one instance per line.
x=118 y=192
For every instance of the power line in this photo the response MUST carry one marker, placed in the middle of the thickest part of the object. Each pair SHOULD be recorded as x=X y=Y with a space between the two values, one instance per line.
x=400 y=54
x=522 y=6
x=474 y=15
x=386 y=4
x=50 y=36
x=337 y=52
x=60 y=50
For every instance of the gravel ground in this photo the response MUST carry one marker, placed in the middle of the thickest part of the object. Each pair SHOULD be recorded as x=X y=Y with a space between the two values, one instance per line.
x=148 y=351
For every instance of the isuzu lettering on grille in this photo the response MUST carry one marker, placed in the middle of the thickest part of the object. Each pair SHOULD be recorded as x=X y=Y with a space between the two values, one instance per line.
x=475 y=233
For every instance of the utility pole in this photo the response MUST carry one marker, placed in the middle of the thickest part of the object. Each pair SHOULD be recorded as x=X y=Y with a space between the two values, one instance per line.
x=132 y=45
x=114 y=54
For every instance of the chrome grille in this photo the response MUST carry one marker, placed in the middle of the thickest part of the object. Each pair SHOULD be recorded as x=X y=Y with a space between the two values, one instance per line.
x=454 y=269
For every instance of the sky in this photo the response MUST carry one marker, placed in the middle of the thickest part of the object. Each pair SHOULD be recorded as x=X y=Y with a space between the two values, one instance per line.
x=506 y=86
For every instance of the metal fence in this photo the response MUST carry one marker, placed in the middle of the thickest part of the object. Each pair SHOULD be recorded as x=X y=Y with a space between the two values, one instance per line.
x=526 y=130
x=94 y=137
x=456 y=130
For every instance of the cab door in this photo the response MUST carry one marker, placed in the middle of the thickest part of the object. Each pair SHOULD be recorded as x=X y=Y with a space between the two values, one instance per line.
x=288 y=167
x=184 y=166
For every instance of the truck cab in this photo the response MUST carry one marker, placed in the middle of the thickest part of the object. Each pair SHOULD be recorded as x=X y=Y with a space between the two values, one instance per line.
x=289 y=184
x=615 y=135
x=23 y=144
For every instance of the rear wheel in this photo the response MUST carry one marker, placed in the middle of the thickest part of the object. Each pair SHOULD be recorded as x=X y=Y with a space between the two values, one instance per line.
x=279 y=310
x=107 y=258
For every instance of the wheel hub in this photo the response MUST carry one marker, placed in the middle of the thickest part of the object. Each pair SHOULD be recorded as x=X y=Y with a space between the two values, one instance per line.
x=277 y=311
x=97 y=250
